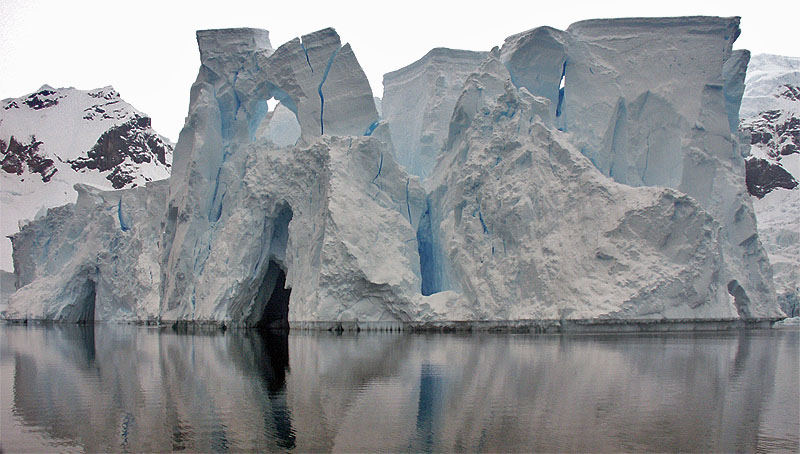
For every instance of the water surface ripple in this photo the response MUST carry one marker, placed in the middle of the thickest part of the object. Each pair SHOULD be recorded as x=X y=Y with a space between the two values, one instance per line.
x=133 y=389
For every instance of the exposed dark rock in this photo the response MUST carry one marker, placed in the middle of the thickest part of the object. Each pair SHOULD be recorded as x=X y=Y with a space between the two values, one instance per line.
x=105 y=111
x=18 y=155
x=760 y=137
x=11 y=105
x=132 y=140
x=119 y=178
x=41 y=99
x=104 y=93
x=792 y=92
x=771 y=115
x=779 y=138
x=763 y=176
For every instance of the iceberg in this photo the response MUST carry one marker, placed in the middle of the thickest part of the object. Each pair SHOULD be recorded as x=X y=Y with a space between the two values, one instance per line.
x=591 y=173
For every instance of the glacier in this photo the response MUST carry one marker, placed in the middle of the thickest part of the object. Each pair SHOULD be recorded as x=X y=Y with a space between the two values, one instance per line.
x=593 y=173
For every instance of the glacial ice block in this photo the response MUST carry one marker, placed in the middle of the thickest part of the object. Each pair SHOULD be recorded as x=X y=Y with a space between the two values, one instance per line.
x=329 y=91
x=418 y=101
x=524 y=216
x=536 y=60
x=94 y=260
x=649 y=101
x=225 y=115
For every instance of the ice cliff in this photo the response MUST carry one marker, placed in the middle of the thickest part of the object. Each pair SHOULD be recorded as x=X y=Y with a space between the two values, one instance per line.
x=418 y=102
x=581 y=174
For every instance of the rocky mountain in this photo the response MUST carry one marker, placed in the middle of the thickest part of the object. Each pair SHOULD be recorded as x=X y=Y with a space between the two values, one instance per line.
x=54 y=138
x=594 y=173
x=770 y=119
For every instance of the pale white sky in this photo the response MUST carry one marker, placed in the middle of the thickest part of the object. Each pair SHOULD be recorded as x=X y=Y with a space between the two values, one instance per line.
x=147 y=50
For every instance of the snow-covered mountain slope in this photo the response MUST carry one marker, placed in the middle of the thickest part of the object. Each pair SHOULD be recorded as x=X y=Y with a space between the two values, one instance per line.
x=54 y=138
x=770 y=117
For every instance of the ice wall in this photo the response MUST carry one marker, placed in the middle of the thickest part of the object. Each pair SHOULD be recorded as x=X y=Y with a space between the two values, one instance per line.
x=652 y=102
x=525 y=217
x=95 y=260
x=418 y=101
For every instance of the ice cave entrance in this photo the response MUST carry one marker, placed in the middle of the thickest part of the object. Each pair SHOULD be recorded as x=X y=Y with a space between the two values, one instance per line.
x=274 y=297
x=86 y=301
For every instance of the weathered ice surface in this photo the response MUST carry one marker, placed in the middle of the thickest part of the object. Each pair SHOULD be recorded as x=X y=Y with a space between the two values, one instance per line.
x=95 y=260
x=523 y=216
x=271 y=223
x=652 y=102
x=214 y=265
x=771 y=122
x=418 y=101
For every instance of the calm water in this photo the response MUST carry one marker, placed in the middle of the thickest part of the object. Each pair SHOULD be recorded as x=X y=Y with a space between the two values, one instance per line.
x=124 y=388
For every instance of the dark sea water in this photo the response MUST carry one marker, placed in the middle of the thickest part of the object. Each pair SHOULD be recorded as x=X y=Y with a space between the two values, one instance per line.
x=126 y=388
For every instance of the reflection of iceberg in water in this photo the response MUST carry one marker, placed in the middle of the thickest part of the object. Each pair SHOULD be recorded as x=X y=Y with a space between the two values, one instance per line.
x=429 y=412
x=127 y=388
x=135 y=389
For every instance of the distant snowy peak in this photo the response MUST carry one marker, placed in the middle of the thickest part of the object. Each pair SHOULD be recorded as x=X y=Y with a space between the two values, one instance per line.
x=777 y=130
x=766 y=74
x=48 y=97
x=51 y=130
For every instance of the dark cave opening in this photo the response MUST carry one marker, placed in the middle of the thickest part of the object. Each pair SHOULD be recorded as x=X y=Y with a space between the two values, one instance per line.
x=740 y=299
x=86 y=302
x=274 y=298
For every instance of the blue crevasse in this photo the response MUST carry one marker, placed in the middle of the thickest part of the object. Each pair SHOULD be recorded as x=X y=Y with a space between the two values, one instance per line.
x=480 y=216
x=380 y=167
x=215 y=207
x=122 y=224
x=307 y=59
x=236 y=100
x=319 y=91
x=483 y=224
x=408 y=205
x=371 y=128
x=426 y=247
